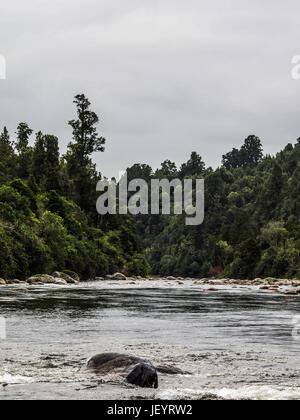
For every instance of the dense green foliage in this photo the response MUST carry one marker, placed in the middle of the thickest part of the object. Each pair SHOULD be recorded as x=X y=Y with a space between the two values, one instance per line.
x=251 y=227
x=48 y=219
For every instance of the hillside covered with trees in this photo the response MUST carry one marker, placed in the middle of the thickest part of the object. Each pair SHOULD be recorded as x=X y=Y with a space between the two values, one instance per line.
x=48 y=219
x=251 y=227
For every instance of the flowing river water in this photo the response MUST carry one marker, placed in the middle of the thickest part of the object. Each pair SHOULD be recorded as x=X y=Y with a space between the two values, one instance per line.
x=238 y=343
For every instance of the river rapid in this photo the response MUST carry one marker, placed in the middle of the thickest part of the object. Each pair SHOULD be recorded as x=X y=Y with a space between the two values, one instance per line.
x=239 y=343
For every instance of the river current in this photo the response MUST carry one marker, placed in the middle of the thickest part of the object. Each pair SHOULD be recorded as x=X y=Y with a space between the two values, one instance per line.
x=239 y=343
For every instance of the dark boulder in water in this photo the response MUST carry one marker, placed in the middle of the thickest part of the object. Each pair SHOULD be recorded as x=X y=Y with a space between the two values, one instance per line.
x=143 y=375
x=137 y=371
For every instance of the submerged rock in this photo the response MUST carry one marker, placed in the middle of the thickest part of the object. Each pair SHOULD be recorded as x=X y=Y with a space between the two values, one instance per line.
x=15 y=281
x=291 y=292
x=266 y=287
x=106 y=362
x=133 y=369
x=20 y=290
x=171 y=370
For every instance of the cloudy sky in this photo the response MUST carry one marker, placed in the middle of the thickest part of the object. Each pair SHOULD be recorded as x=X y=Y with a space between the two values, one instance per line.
x=166 y=76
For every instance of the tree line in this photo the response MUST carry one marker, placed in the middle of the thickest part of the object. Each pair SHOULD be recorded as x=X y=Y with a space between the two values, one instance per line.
x=251 y=227
x=48 y=219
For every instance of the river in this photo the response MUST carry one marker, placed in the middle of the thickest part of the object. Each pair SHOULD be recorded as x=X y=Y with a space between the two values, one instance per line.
x=238 y=343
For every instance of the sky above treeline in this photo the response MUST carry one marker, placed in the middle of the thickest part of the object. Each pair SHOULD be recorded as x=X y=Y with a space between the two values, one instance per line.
x=166 y=77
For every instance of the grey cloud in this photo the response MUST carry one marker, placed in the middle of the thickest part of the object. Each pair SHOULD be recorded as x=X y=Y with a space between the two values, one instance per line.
x=166 y=77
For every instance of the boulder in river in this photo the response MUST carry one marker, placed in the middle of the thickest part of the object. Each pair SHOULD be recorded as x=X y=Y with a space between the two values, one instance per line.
x=118 y=276
x=15 y=281
x=2 y=282
x=45 y=279
x=291 y=292
x=60 y=278
x=270 y=280
x=143 y=375
x=41 y=279
x=265 y=287
x=135 y=370
x=72 y=274
x=63 y=276
x=20 y=290
x=60 y=282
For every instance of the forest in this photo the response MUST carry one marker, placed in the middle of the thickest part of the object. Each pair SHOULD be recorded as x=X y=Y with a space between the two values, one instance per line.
x=48 y=219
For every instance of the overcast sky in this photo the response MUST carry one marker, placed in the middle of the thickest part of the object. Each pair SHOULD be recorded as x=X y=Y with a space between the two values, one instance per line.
x=166 y=76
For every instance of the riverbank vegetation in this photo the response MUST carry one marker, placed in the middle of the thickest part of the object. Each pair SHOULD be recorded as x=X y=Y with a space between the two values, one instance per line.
x=48 y=219
x=251 y=227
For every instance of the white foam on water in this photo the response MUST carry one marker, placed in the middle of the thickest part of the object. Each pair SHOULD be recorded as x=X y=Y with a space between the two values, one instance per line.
x=263 y=392
x=7 y=378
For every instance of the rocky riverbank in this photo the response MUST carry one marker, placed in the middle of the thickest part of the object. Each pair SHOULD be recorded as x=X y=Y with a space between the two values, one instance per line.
x=271 y=285
x=286 y=286
x=59 y=278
